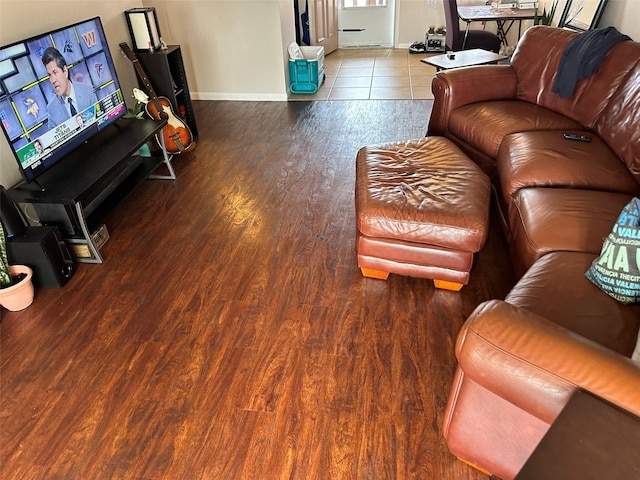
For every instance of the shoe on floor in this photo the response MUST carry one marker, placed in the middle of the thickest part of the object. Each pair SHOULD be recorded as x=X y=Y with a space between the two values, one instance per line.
x=417 y=47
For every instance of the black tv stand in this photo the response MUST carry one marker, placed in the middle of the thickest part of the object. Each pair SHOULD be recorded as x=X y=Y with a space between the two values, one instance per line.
x=33 y=186
x=82 y=189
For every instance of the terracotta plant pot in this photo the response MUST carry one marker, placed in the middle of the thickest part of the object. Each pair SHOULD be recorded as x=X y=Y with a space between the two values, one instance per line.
x=20 y=296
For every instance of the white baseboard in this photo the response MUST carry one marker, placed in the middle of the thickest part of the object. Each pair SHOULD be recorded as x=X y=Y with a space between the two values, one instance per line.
x=363 y=45
x=243 y=97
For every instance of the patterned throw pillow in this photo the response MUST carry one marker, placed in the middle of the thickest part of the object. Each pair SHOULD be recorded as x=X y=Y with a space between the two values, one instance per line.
x=617 y=270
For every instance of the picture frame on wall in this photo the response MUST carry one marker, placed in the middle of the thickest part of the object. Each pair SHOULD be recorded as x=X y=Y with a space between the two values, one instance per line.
x=582 y=15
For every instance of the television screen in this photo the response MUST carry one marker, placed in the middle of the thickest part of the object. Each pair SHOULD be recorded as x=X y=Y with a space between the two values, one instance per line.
x=56 y=91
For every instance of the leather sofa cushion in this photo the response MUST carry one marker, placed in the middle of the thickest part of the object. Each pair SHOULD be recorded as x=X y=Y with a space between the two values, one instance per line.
x=414 y=253
x=544 y=220
x=555 y=288
x=485 y=124
x=415 y=260
x=547 y=159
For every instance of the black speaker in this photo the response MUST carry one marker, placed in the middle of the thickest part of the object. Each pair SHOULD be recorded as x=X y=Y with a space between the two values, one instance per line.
x=10 y=216
x=42 y=249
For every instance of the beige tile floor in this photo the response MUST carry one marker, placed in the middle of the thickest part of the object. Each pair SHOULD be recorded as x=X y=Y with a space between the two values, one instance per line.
x=374 y=73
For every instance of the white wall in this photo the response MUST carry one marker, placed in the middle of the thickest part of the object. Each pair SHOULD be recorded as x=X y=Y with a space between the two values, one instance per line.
x=414 y=19
x=232 y=50
x=624 y=15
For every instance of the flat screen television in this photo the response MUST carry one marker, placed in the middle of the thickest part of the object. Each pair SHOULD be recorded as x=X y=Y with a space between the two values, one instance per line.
x=57 y=90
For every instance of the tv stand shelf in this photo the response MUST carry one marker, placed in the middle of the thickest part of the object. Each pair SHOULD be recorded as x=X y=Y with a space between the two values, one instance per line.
x=79 y=192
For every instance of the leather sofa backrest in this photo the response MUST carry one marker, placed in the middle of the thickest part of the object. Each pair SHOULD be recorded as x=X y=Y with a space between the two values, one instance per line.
x=619 y=124
x=535 y=62
x=608 y=102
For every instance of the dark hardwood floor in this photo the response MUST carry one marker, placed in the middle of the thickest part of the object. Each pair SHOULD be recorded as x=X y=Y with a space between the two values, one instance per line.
x=229 y=333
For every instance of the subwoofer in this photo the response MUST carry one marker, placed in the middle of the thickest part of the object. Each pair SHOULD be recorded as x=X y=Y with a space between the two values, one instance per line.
x=42 y=249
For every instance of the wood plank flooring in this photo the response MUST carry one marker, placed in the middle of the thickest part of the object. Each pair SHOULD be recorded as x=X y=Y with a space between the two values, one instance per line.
x=229 y=333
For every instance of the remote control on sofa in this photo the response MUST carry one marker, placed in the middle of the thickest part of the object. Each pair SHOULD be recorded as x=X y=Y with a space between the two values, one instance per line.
x=575 y=136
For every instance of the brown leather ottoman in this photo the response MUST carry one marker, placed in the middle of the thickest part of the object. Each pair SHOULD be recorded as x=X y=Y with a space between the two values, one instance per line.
x=422 y=209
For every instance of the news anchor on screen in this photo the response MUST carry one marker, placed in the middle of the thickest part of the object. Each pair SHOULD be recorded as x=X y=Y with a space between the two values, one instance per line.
x=71 y=98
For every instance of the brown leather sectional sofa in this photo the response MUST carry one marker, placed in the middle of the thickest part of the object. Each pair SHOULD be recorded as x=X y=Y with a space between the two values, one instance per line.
x=521 y=358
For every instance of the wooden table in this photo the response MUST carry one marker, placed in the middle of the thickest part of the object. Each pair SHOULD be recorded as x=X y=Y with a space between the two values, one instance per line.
x=590 y=440
x=504 y=18
x=465 y=58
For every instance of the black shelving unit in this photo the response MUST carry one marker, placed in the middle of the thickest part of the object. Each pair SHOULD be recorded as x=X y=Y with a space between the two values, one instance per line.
x=82 y=189
x=166 y=72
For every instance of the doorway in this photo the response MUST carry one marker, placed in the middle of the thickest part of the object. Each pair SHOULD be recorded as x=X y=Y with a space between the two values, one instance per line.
x=332 y=24
x=366 y=23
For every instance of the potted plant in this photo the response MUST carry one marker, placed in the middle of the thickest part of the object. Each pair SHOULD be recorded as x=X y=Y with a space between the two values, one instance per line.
x=16 y=287
x=138 y=108
x=545 y=18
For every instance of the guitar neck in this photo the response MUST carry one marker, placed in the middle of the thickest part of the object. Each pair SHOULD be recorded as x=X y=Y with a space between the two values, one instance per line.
x=143 y=76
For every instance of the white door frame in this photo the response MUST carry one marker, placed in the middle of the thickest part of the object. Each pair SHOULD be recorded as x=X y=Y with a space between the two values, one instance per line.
x=396 y=23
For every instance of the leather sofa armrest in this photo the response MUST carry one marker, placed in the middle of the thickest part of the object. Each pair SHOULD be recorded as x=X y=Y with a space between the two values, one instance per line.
x=536 y=364
x=462 y=86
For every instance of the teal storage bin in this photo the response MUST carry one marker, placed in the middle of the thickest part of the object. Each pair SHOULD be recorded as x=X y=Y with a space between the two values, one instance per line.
x=307 y=74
